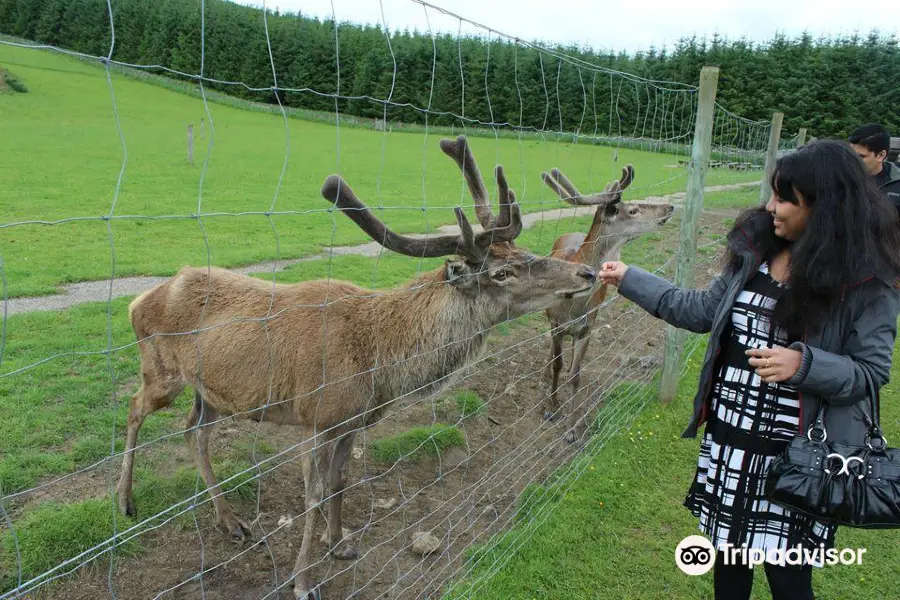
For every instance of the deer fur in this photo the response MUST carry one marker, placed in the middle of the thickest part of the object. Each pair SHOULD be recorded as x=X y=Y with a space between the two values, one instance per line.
x=329 y=356
x=615 y=224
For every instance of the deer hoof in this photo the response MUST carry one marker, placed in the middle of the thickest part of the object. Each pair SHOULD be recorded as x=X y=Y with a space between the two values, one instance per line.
x=569 y=437
x=344 y=552
x=126 y=505
x=237 y=528
x=549 y=415
x=312 y=594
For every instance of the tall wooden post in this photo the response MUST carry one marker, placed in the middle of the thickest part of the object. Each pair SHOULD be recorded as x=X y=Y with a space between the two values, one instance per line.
x=765 y=190
x=690 y=222
x=190 y=143
x=801 y=137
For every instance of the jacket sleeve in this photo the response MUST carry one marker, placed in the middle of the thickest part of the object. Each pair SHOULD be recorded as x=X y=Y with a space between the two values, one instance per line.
x=693 y=310
x=840 y=378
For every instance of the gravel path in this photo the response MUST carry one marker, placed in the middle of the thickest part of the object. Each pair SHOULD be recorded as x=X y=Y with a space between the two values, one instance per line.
x=99 y=291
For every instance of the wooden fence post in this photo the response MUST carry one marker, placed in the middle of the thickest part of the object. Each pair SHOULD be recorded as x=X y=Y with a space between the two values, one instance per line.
x=690 y=222
x=190 y=143
x=765 y=190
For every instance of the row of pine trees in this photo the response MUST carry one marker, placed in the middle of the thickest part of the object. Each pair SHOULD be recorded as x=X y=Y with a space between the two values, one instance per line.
x=826 y=85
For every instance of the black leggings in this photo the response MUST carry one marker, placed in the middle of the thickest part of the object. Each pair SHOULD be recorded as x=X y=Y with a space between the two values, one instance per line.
x=734 y=582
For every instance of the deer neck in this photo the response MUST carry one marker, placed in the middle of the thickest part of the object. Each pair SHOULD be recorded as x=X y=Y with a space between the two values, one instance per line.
x=598 y=246
x=423 y=333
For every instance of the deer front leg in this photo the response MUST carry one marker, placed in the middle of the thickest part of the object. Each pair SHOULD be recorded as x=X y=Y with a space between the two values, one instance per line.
x=152 y=396
x=551 y=405
x=197 y=437
x=336 y=482
x=136 y=415
x=576 y=411
x=303 y=590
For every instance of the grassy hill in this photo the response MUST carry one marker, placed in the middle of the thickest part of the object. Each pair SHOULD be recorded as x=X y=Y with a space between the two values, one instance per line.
x=61 y=156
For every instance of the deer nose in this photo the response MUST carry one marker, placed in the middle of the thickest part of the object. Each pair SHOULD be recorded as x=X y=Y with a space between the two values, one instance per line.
x=587 y=273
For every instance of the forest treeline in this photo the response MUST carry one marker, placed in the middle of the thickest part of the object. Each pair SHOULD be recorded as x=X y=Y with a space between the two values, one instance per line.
x=827 y=85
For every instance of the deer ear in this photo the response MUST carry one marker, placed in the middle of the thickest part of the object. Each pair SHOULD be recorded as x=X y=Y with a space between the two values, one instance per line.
x=457 y=272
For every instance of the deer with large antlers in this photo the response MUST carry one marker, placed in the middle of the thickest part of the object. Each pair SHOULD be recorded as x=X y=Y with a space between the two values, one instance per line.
x=615 y=224
x=329 y=356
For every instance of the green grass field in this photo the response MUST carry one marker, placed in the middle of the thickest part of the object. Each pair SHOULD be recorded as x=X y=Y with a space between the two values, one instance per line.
x=60 y=158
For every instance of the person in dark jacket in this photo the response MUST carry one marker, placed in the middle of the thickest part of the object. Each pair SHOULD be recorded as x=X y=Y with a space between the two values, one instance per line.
x=804 y=310
x=872 y=143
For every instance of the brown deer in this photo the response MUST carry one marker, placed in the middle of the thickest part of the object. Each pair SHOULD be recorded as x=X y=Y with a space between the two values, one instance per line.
x=615 y=224
x=329 y=356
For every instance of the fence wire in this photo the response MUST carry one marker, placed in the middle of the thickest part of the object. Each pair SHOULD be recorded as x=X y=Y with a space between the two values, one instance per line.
x=461 y=459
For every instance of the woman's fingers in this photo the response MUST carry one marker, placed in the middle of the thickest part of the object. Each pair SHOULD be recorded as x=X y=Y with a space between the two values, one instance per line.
x=611 y=272
x=761 y=352
x=774 y=364
x=768 y=361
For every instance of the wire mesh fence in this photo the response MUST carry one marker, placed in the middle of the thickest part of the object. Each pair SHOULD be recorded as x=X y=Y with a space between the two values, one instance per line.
x=392 y=432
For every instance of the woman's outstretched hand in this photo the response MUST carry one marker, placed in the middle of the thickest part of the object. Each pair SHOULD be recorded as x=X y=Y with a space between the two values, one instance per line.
x=774 y=365
x=612 y=272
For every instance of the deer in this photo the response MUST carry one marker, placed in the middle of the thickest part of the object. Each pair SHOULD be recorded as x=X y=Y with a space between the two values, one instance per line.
x=330 y=357
x=615 y=224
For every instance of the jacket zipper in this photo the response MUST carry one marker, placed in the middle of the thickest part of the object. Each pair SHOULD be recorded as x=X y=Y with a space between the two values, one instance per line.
x=800 y=393
x=704 y=407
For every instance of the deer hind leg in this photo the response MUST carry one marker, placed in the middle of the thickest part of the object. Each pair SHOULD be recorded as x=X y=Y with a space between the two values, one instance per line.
x=551 y=406
x=157 y=391
x=314 y=494
x=200 y=425
x=336 y=482
x=577 y=412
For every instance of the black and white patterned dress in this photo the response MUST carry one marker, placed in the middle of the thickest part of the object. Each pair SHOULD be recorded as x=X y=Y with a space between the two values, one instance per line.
x=750 y=422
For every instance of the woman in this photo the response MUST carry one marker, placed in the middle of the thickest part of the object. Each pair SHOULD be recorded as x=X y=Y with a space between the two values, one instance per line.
x=804 y=310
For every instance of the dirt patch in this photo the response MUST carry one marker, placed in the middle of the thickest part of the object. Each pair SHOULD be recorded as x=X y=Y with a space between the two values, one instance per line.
x=462 y=499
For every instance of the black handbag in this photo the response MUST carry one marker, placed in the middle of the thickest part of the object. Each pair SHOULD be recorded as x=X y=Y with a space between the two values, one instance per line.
x=842 y=484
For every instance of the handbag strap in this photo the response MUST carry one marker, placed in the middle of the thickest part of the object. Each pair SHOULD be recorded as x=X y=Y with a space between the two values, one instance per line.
x=874 y=435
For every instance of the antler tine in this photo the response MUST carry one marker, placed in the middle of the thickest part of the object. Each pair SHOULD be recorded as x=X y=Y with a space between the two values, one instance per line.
x=564 y=181
x=461 y=153
x=627 y=176
x=554 y=185
x=612 y=193
x=507 y=233
x=507 y=197
x=336 y=191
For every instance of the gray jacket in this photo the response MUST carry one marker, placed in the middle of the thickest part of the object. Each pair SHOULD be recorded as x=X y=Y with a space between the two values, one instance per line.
x=888 y=182
x=857 y=340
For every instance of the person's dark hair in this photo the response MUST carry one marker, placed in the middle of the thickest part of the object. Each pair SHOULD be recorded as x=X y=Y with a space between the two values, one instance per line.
x=852 y=232
x=872 y=136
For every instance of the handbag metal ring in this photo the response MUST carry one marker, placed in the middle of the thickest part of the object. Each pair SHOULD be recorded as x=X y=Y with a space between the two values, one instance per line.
x=883 y=444
x=845 y=466
x=822 y=429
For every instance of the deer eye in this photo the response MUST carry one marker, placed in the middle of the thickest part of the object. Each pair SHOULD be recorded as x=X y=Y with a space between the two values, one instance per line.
x=634 y=210
x=501 y=274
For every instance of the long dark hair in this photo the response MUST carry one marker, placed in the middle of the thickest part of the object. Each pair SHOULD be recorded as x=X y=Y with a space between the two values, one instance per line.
x=852 y=232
